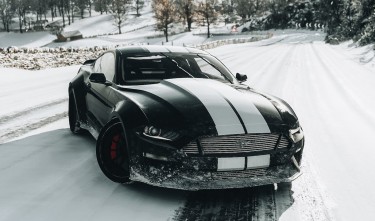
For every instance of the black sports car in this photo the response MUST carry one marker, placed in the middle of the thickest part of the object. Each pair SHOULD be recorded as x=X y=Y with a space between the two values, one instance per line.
x=176 y=117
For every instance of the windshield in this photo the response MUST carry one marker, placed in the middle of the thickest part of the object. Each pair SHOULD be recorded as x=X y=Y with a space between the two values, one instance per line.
x=151 y=67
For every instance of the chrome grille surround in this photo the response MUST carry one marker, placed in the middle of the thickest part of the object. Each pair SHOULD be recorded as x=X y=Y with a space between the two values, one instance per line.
x=225 y=175
x=241 y=143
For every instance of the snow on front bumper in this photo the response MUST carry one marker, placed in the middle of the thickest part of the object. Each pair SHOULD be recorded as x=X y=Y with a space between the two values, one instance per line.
x=198 y=180
x=194 y=171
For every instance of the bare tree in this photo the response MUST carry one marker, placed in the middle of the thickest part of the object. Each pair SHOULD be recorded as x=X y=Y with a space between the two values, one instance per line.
x=137 y=6
x=118 y=9
x=165 y=14
x=6 y=13
x=90 y=6
x=20 y=7
x=186 y=9
x=82 y=5
x=206 y=8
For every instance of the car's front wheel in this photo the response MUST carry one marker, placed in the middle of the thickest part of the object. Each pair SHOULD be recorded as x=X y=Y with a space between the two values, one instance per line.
x=112 y=153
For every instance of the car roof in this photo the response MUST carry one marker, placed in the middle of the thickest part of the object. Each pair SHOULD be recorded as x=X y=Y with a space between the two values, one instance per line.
x=158 y=49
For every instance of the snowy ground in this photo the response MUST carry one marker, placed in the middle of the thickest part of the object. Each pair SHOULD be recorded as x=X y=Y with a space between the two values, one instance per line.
x=48 y=173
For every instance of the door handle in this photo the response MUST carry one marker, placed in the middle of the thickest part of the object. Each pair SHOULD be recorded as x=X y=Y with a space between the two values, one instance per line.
x=88 y=84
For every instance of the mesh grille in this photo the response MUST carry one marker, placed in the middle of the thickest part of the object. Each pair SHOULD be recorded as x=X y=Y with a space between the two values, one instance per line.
x=284 y=142
x=191 y=148
x=242 y=143
x=239 y=174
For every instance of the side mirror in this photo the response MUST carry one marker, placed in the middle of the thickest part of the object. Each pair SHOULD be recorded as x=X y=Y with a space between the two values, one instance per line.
x=241 y=77
x=98 y=78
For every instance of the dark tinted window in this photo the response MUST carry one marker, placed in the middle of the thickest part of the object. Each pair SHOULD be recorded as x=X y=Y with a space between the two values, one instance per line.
x=166 y=66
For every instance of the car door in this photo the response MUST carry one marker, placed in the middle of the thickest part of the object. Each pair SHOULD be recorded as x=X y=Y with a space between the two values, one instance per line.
x=99 y=106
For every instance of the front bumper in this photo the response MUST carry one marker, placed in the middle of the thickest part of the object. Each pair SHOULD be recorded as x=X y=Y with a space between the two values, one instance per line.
x=197 y=172
x=198 y=180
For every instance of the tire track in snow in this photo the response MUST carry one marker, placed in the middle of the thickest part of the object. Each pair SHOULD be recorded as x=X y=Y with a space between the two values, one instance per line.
x=340 y=86
x=14 y=133
x=19 y=123
x=14 y=116
x=248 y=204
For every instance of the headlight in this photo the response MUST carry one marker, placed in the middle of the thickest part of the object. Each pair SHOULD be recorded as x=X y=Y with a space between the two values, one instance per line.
x=157 y=133
x=296 y=134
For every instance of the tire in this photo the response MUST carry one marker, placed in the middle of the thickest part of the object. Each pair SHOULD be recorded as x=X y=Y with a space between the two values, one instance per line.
x=74 y=124
x=112 y=153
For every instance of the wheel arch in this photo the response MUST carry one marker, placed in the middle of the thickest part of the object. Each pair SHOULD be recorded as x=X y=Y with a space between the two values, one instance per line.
x=77 y=90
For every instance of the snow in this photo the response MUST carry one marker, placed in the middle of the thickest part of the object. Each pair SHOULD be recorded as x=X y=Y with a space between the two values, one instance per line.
x=29 y=39
x=32 y=98
x=333 y=96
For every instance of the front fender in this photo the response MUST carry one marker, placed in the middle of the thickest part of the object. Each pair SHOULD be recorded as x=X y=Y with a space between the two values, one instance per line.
x=130 y=115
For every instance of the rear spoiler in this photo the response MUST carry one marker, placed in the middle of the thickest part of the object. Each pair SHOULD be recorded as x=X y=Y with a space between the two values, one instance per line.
x=88 y=62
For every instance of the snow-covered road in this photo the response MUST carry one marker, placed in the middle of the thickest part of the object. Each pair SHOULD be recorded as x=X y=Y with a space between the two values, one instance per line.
x=335 y=101
x=54 y=175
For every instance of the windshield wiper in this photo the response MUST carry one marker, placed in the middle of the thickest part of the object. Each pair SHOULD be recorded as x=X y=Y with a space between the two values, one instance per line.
x=212 y=65
x=174 y=61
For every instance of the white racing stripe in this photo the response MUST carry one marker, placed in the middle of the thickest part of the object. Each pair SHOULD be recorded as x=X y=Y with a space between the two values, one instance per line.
x=224 y=117
x=250 y=115
x=214 y=96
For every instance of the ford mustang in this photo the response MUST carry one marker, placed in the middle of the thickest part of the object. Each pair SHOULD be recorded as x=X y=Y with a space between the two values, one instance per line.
x=176 y=117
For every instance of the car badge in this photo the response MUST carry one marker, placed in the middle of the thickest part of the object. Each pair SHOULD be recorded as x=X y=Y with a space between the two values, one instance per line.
x=242 y=143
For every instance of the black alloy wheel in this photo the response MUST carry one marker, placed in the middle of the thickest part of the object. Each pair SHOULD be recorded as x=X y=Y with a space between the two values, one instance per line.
x=112 y=153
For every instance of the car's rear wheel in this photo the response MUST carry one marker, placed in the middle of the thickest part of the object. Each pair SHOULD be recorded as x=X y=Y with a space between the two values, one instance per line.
x=112 y=153
x=73 y=116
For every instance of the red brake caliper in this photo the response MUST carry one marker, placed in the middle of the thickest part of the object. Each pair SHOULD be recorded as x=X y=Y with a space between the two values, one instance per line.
x=115 y=140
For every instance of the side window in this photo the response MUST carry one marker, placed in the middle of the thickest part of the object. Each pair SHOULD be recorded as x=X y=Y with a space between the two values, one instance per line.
x=107 y=64
x=97 y=68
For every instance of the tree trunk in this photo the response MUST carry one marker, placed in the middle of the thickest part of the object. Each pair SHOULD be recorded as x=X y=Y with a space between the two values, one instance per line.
x=166 y=33
x=68 y=15
x=189 y=22
x=72 y=14
x=20 y=21
x=24 y=18
x=208 y=29
x=52 y=13
x=63 y=16
x=119 y=28
x=90 y=8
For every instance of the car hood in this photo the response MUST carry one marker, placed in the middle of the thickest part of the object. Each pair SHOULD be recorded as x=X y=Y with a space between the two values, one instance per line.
x=209 y=107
